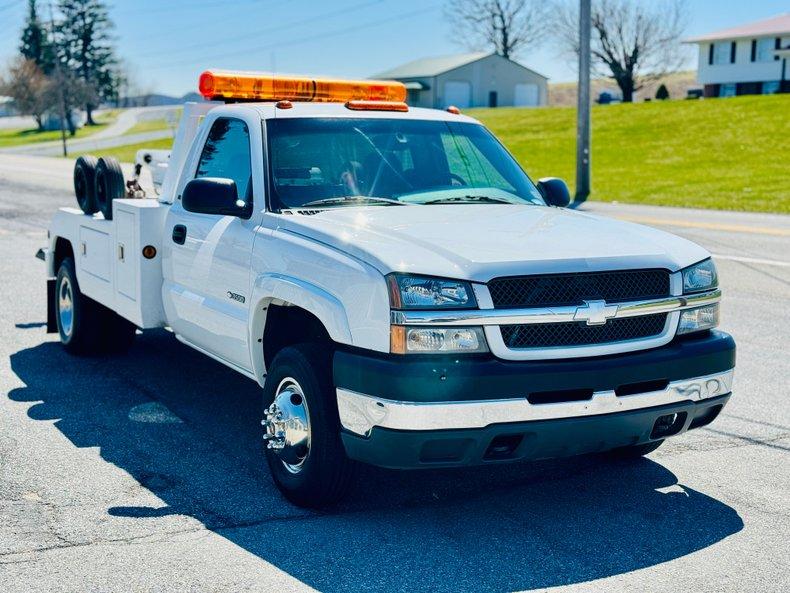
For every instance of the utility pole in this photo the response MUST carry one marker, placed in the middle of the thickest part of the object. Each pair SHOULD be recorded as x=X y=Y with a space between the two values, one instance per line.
x=58 y=81
x=583 y=108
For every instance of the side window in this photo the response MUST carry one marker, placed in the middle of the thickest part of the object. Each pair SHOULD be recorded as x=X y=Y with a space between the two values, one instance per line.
x=227 y=154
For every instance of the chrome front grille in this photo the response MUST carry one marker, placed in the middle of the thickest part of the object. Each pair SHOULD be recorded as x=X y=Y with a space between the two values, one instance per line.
x=573 y=289
x=569 y=290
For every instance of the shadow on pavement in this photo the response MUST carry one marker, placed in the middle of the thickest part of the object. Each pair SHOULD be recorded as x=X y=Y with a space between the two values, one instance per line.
x=187 y=429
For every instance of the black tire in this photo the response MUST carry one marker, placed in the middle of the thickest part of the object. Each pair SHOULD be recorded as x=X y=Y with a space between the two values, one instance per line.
x=109 y=185
x=81 y=331
x=326 y=473
x=91 y=328
x=634 y=451
x=84 y=183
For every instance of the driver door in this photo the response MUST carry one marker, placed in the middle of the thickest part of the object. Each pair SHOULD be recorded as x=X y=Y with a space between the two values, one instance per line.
x=208 y=284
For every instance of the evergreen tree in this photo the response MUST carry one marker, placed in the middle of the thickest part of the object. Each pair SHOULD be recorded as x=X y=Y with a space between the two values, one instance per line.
x=35 y=43
x=662 y=94
x=85 y=48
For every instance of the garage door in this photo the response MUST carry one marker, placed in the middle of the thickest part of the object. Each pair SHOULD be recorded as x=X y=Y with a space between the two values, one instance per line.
x=526 y=95
x=457 y=93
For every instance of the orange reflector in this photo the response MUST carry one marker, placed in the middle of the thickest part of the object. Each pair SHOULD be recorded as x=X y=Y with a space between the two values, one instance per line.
x=453 y=109
x=255 y=86
x=377 y=106
x=397 y=339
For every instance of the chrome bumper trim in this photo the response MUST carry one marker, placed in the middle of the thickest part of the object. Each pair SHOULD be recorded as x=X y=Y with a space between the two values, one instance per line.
x=360 y=413
x=564 y=314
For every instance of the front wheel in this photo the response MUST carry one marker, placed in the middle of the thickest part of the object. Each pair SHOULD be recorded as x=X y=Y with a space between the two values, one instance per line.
x=302 y=430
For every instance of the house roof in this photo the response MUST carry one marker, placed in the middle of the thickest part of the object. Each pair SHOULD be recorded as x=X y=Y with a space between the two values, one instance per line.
x=777 y=25
x=427 y=67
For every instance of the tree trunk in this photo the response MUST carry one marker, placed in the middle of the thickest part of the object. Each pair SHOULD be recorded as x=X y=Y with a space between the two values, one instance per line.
x=89 y=115
x=70 y=123
x=39 y=122
x=626 y=84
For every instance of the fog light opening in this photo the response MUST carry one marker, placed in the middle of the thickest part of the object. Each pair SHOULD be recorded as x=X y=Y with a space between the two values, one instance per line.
x=668 y=425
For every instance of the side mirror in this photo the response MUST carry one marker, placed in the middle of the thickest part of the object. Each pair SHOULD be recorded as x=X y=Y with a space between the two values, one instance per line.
x=554 y=191
x=213 y=195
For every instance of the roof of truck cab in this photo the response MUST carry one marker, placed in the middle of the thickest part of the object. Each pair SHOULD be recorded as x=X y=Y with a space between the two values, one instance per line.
x=302 y=109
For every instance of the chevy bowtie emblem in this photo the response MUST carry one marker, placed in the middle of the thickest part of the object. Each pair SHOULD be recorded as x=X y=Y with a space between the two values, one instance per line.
x=595 y=312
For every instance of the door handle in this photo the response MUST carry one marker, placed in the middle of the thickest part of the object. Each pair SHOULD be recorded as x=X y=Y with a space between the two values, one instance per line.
x=179 y=234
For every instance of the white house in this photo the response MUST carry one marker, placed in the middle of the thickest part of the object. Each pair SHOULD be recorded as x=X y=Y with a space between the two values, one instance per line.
x=470 y=80
x=745 y=60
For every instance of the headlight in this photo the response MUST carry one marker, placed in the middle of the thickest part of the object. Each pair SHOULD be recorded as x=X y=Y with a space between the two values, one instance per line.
x=424 y=292
x=437 y=340
x=701 y=318
x=699 y=277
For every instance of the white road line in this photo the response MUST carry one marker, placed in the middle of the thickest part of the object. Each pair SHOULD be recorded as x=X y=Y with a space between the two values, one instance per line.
x=754 y=260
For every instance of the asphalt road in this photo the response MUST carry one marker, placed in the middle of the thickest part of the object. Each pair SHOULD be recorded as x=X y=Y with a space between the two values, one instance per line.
x=141 y=472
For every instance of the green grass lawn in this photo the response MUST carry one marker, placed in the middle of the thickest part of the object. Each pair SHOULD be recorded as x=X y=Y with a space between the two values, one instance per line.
x=19 y=136
x=716 y=153
x=126 y=153
x=149 y=125
x=154 y=125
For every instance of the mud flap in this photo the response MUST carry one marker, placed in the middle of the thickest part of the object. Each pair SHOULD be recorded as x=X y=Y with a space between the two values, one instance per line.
x=52 y=323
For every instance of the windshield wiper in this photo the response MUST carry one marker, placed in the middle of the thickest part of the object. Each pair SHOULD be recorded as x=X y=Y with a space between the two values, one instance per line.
x=471 y=198
x=354 y=199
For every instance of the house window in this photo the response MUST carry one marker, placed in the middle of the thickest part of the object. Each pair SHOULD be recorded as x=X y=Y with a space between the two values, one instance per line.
x=728 y=90
x=764 y=51
x=771 y=87
x=721 y=52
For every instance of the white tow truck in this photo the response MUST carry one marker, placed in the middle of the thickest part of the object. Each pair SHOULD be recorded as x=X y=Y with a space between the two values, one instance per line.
x=401 y=290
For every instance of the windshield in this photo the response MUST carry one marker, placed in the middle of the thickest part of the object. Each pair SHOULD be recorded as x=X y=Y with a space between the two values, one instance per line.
x=386 y=162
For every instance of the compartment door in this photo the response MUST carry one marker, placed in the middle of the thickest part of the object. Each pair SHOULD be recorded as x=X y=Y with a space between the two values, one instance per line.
x=94 y=265
x=127 y=254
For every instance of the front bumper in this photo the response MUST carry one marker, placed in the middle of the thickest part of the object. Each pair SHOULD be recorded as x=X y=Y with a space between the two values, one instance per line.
x=460 y=411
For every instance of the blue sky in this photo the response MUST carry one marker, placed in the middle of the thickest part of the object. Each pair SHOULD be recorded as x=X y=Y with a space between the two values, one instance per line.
x=168 y=43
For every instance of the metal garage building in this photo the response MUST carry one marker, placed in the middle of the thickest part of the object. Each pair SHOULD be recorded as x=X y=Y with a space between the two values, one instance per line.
x=470 y=80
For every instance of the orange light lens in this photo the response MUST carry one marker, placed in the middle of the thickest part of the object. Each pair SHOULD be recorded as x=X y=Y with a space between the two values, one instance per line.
x=377 y=106
x=397 y=339
x=218 y=84
x=453 y=109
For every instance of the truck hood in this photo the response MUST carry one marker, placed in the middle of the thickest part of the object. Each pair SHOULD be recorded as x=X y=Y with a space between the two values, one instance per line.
x=482 y=241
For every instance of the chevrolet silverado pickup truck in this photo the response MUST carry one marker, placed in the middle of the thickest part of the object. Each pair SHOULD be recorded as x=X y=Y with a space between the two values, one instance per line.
x=404 y=294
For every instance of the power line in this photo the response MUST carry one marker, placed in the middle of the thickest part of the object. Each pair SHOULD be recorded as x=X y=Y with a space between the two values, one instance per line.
x=181 y=7
x=293 y=24
x=181 y=29
x=354 y=28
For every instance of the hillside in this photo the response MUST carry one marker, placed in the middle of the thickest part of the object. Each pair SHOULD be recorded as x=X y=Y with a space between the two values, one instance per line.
x=716 y=153
x=563 y=94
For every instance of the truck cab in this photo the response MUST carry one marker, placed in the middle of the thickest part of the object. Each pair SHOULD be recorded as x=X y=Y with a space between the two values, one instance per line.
x=403 y=292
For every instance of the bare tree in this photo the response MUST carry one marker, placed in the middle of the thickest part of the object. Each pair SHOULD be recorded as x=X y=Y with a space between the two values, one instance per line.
x=633 y=41
x=28 y=87
x=504 y=26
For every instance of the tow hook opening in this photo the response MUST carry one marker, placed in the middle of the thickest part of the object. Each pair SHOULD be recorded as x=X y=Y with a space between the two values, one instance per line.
x=668 y=425
x=504 y=446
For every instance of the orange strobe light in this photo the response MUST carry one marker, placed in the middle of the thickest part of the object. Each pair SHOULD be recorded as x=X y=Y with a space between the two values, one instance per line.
x=254 y=86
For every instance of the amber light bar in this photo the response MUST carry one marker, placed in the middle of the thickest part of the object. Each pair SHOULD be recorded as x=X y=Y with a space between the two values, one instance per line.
x=377 y=106
x=256 y=86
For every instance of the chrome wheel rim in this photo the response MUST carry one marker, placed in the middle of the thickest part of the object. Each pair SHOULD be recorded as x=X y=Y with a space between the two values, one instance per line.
x=66 y=306
x=287 y=424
